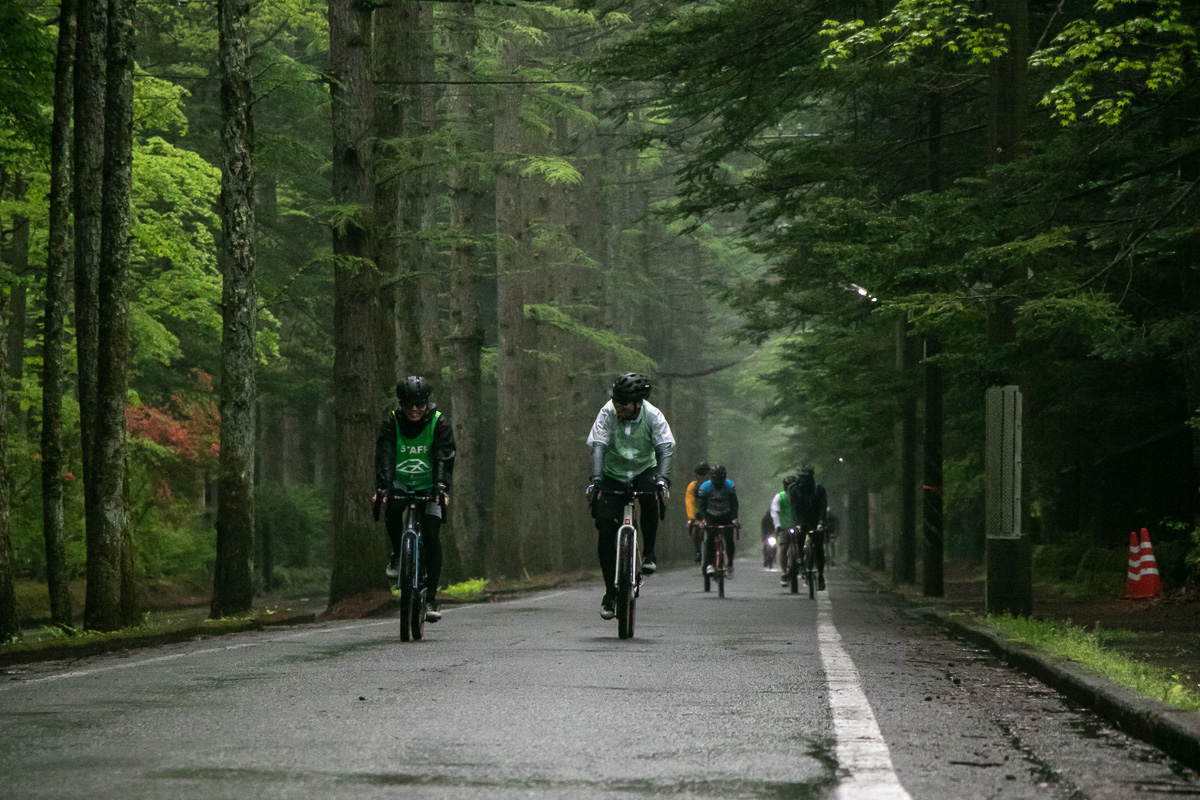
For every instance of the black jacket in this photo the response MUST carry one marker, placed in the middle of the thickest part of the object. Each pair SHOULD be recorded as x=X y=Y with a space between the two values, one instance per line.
x=385 y=446
x=808 y=501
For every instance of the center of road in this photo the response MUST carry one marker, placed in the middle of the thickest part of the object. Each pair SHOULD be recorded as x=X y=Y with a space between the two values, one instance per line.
x=861 y=750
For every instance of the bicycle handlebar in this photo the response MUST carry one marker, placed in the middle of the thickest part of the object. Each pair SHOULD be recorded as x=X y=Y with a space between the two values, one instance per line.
x=628 y=493
x=736 y=528
x=407 y=495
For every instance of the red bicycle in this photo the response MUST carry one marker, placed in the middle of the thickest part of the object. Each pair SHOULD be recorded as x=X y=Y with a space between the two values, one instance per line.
x=721 y=561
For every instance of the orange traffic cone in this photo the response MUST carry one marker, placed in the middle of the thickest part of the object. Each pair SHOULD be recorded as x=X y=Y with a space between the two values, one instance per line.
x=1142 y=577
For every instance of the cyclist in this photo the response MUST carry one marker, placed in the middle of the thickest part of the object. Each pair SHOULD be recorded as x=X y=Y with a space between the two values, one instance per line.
x=631 y=444
x=831 y=531
x=809 y=506
x=718 y=505
x=689 y=500
x=415 y=449
x=781 y=515
x=767 y=531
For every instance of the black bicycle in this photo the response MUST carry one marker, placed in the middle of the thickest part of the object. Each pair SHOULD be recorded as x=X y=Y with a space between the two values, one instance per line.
x=791 y=562
x=412 y=574
x=809 y=563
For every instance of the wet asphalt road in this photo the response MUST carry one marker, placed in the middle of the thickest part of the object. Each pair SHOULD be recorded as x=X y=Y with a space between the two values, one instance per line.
x=538 y=698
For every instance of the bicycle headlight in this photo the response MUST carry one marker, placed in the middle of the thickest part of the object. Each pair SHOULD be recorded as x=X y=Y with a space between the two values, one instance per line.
x=770 y=541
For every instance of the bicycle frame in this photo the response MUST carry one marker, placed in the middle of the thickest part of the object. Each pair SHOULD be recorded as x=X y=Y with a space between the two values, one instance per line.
x=809 y=562
x=410 y=541
x=720 y=557
x=629 y=542
x=792 y=543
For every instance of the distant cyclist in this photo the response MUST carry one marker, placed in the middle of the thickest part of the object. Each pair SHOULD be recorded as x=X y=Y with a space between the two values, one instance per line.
x=718 y=506
x=809 y=506
x=689 y=500
x=631 y=444
x=769 y=540
x=781 y=515
x=415 y=449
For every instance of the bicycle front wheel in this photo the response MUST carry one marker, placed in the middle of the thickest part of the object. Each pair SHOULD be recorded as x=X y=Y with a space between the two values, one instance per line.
x=626 y=605
x=417 y=619
x=809 y=567
x=408 y=595
x=722 y=563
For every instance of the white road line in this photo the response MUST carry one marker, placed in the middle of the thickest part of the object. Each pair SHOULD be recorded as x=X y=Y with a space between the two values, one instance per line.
x=861 y=751
x=539 y=597
x=80 y=673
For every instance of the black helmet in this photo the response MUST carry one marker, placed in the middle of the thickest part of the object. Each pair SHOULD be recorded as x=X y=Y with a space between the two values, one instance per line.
x=703 y=468
x=788 y=480
x=630 y=386
x=413 y=389
x=718 y=474
x=807 y=470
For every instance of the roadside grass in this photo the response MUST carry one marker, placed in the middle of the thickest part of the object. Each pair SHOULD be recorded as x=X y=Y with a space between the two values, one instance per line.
x=1087 y=648
x=471 y=591
x=484 y=590
x=151 y=628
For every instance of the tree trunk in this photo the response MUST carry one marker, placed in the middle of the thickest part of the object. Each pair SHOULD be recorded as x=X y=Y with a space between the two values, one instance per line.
x=233 y=589
x=516 y=395
x=58 y=251
x=112 y=341
x=934 y=552
x=358 y=546
x=18 y=303
x=426 y=198
x=469 y=511
x=404 y=188
x=103 y=568
x=904 y=561
x=391 y=56
x=1006 y=130
x=9 y=620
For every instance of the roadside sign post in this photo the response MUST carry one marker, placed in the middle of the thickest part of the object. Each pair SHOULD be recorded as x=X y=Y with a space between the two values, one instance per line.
x=1009 y=556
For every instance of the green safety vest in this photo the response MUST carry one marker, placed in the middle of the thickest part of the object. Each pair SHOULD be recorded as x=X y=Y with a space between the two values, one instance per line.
x=414 y=457
x=630 y=454
x=785 y=511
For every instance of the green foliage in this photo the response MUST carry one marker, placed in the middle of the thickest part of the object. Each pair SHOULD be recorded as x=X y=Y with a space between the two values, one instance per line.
x=1057 y=563
x=620 y=348
x=1171 y=558
x=913 y=26
x=26 y=81
x=1101 y=573
x=469 y=591
x=1193 y=556
x=176 y=280
x=1119 y=58
x=297 y=518
x=163 y=549
x=553 y=170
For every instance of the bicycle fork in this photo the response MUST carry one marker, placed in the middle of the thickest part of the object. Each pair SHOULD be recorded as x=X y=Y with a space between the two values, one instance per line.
x=627 y=533
x=411 y=542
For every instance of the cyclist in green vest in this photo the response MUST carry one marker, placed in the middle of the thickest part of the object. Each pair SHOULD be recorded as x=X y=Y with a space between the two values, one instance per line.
x=781 y=515
x=631 y=444
x=415 y=449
